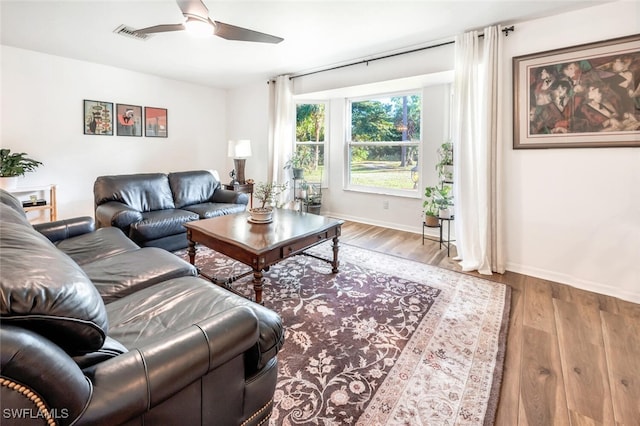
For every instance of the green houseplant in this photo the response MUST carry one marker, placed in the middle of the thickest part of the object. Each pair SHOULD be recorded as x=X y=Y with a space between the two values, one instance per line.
x=430 y=206
x=13 y=165
x=437 y=203
x=313 y=202
x=443 y=198
x=444 y=166
x=299 y=161
x=266 y=193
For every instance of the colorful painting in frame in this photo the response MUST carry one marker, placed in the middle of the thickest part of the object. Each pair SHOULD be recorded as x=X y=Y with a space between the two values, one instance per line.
x=155 y=122
x=578 y=97
x=128 y=120
x=98 y=118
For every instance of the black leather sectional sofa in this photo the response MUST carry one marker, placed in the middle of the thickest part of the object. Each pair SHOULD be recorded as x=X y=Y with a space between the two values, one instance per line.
x=151 y=208
x=95 y=330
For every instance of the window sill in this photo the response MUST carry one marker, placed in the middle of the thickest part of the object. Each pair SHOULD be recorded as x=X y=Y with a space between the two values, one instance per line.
x=406 y=193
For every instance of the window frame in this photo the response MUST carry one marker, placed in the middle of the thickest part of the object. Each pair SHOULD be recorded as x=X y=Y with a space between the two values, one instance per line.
x=349 y=143
x=325 y=144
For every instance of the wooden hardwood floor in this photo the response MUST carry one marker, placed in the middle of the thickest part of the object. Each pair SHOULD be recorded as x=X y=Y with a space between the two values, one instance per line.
x=573 y=357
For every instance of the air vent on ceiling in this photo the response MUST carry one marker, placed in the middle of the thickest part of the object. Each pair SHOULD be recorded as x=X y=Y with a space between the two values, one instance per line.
x=125 y=31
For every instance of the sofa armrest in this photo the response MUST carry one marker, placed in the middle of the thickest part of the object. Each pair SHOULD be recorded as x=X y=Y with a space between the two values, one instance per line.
x=67 y=228
x=42 y=367
x=131 y=384
x=115 y=213
x=222 y=195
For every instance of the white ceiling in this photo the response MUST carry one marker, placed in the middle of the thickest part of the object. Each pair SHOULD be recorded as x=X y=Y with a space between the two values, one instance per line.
x=316 y=34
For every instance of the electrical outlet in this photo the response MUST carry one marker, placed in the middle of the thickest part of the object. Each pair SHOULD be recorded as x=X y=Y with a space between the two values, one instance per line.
x=385 y=204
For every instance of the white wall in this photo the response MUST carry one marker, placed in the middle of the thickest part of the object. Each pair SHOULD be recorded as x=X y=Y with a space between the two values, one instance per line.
x=42 y=114
x=248 y=118
x=573 y=215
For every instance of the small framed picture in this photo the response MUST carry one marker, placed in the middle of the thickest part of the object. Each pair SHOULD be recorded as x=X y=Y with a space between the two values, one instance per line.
x=129 y=120
x=155 y=122
x=98 y=118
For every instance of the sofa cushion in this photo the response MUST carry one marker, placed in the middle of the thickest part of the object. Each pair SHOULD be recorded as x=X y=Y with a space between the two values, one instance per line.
x=147 y=315
x=45 y=291
x=125 y=273
x=89 y=247
x=144 y=192
x=207 y=210
x=12 y=202
x=9 y=214
x=110 y=349
x=160 y=223
x=192 y=187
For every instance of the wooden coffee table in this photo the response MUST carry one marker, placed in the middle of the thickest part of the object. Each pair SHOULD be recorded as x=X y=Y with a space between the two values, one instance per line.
x=261 y=245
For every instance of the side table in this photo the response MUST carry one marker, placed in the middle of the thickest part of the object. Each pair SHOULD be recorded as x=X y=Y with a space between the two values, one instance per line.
x=245 y=188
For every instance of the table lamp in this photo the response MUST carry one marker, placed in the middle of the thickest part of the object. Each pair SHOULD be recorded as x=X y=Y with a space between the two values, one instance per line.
x=239 y=150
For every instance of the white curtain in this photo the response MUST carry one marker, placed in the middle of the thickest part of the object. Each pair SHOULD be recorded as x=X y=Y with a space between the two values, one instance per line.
x=477 y=151
x=281 y=115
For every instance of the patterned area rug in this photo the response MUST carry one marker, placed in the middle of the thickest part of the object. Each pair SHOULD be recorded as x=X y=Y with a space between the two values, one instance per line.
x=386 y=341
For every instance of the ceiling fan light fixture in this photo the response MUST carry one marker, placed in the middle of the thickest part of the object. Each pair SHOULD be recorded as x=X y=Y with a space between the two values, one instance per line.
x=198 y=26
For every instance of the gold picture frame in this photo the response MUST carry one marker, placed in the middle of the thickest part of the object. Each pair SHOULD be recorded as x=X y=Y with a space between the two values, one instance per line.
x=578 y=97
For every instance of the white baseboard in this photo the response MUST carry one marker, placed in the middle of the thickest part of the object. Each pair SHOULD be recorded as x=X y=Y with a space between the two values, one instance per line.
x=390 y=225
x=544 y=274
x=572 y=281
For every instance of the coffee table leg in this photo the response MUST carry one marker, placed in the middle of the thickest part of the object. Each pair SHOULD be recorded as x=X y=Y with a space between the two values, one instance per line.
x=257 y=285
x=191 y=248
x=335 y=262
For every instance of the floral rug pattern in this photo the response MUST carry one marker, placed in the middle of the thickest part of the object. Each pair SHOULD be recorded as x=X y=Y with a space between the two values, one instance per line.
x=385 y=341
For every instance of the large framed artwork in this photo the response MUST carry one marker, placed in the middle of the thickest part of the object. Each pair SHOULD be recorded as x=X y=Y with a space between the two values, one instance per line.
x=129 y=120
x=577 y=97
x=98 y=118
x=155 y=122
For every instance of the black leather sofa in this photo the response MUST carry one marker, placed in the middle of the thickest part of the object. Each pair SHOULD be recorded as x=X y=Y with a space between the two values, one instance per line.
x=152 y=207
x=95 y=330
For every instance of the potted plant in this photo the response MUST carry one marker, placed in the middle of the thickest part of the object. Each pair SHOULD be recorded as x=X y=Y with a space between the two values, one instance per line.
x=313 y=203
x=301 y=192
x=430 y=206
x=444 y=200
x=14 y=165
x=266 y=193
x=299 y=161
x=444 y=167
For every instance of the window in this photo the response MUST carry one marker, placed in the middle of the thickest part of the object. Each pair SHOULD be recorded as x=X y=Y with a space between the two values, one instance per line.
x=383 y=143
x=311 y=139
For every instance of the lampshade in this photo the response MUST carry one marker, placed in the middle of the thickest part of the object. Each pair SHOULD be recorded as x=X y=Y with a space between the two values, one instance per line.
x=239 y=149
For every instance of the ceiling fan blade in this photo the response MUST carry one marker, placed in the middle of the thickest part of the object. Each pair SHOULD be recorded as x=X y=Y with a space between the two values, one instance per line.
x=161 y=29
x=231 y=32
x=194 y=7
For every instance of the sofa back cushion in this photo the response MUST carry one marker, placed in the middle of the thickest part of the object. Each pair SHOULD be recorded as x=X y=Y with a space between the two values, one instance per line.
x=9 y=214
x=43 y=290
x=7 y=199
x=193 y=187
x=144 y=191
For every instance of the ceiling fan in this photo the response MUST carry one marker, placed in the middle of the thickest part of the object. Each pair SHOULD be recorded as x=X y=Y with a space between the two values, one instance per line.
x=197 y=21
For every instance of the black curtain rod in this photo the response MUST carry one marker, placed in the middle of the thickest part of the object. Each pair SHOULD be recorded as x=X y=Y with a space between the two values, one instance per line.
x=366 y=61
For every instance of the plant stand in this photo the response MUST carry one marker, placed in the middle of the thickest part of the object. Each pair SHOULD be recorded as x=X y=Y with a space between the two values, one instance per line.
x=446 y=243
